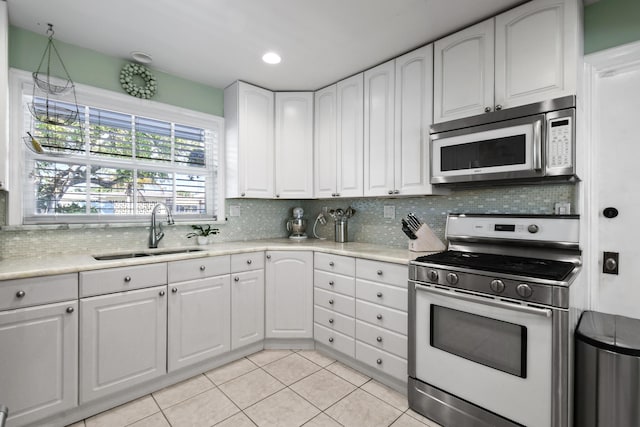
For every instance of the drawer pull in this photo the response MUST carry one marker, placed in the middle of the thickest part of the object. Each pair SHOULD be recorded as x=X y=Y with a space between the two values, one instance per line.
x=331 y=301
x=236 y=279
x=379 y=339
x=379 y=294
x=249 y=261
x=21 y=294
x=379 y=317
x=69 y=309
x=127 y=279
x=331 y=283
x=161 y=293
x=379 y=361
x=331 y=339
x=174 y=290
x=379 y=272
x=330 y=320
x=203 y=268
x=331 y=264
x=268 y=256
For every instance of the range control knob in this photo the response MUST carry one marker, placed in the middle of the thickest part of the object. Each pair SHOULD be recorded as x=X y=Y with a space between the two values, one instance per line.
x=524 y=290
x=497 y=286
x=432 y=275
x=533 y=229
x=452 y=278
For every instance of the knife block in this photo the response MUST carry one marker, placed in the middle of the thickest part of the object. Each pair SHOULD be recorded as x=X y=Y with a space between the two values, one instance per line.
x=426 y=241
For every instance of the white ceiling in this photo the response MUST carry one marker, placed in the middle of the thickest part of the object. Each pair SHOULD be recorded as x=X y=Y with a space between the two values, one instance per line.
x=218 y=41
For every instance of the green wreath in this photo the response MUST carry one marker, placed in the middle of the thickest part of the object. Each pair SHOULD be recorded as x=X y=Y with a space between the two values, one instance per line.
x=127 y=74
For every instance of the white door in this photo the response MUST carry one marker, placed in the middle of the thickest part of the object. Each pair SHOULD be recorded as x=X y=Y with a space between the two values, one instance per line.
x=289 y=294
x=199 y=321
x=247 y=308
x=350 y=137
x=413 y=117
x=123 y=341
x=379 y=110
x=463 y=73
x=324 y=146
x=615 y=109
x=294 y=145
x=255 y=127
x=536 y=53
x=39 y=361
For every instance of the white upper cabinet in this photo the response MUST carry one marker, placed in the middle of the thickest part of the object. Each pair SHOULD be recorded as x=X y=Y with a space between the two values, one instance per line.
x=463 y=73
x=536 y=52
x=339 y=143
x=527 y=54
x=4 y=95
x=294 y=145
x=249 y=119
x=379 y=110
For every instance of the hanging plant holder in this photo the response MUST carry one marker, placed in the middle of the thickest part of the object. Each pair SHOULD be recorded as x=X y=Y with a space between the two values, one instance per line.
x=43 y=78
x=51 y=112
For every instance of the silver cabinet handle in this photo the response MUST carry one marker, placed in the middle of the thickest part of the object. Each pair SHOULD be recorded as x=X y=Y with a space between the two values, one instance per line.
x=161 y=293
x=379 y=317
x=487 y=109
x=379 y=272
x=331 y=301
x=379 y=339
x=174 y=290
x=331 y=283
x=331 y=264
x=21 y=294
x=203 y=268
x=330 y=320
x=331 y=339
x=268 y=256
x=396 y=191
x=249 y=261
x=337 y=194
x=390 y=191
x=236 y=279
x=70 y=309
x=241 y=194
x=498 y=107
x=379 y=294
x=379 y=361
x=127 y=279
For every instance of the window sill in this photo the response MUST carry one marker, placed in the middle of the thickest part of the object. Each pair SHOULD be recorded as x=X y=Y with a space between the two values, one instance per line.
x=84 y=226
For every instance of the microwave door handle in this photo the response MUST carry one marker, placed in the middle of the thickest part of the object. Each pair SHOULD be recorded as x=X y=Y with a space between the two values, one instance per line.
x=537 y=144
x=486 y=301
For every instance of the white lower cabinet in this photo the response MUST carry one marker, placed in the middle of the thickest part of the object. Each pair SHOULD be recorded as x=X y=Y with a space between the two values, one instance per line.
x=247 y=299
x=39 y=361
x=123 y=341
x=289 y=294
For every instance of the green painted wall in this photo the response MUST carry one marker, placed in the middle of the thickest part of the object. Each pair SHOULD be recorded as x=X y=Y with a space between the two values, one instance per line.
x=95 y=69
x=610 y=23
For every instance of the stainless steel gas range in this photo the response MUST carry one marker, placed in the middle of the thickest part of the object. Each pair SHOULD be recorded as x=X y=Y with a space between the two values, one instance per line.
x=489 y=322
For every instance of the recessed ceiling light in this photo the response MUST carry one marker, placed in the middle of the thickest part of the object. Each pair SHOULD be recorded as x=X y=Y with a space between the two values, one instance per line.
x=271 y=58
x=141 y=57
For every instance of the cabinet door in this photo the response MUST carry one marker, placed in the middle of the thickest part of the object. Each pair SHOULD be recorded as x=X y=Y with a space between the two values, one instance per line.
x=379 y=110
x=4 y=96
x=199 y=321
x=413 y=116
x=123 y=341
x=256 y=147
x=324 y=148
x=536 y=52
x=350 y=140
x=247 y=308
x=289 y=294
x=294 y=145
x=39 y=361
x=463 y=73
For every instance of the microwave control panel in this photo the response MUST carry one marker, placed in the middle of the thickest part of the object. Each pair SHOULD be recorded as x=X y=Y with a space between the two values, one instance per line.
x=560 y=142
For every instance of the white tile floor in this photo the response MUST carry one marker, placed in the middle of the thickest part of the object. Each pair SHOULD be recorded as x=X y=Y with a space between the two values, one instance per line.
x=271 y=388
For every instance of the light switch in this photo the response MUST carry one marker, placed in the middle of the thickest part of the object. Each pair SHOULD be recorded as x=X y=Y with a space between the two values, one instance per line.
x=390 y=212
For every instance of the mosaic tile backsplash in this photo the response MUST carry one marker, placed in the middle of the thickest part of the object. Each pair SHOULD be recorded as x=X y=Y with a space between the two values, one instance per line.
x=262 y=219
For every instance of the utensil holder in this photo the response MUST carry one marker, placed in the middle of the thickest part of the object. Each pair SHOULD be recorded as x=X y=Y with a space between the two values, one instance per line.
x=341 y=230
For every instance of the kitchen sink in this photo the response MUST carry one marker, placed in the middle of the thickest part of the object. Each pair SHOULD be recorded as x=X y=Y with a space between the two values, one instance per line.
x=127 y=255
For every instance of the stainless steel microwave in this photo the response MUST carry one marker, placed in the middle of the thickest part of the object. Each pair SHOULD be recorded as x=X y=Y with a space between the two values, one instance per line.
x=528 y=142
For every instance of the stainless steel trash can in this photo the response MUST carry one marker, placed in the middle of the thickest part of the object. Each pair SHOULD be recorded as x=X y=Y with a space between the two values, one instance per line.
x=607 y=371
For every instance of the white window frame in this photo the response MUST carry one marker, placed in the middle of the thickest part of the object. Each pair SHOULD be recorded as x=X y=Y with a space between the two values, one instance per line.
x=21 y=82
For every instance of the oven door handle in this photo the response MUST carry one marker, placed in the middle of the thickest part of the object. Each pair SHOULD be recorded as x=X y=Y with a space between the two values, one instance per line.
x=486 y=301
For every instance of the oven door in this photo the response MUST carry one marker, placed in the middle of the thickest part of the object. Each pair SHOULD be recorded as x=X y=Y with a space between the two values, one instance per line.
x=494 y=354
x=503 y=150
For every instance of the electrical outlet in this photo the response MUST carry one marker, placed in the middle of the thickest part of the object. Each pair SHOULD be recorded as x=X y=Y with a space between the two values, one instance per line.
x=234 y=210
x=390 y=212
x=562 y=208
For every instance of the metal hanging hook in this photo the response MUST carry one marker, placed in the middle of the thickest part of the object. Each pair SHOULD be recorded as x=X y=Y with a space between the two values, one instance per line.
x=50 y=31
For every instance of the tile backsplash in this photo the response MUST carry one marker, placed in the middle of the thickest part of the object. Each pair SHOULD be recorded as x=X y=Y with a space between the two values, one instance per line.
x=261 y=219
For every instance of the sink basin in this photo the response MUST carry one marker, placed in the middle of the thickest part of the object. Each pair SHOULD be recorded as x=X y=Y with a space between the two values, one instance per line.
x=127 y=255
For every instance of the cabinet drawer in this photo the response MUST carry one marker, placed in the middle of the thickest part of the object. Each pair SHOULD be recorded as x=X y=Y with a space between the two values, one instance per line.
x=382 y=339
x=378 y=293
x=20 y=293
x=335 y=263
x=335 y=321
x=247 y=262
x=384 y=317
x=385 y=362
x=334 y=282
x=112 y=280
x=192 y=269
x=333 y=339
x=334 y=302
x=385 y=272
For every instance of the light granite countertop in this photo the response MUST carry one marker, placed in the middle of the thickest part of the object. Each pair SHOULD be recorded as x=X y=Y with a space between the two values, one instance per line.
x=72 y=263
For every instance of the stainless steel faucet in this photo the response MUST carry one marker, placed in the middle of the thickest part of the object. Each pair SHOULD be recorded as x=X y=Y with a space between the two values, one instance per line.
x=156 y=235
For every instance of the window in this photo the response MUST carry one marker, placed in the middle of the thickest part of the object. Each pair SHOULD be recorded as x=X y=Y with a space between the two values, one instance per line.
x=118 y=160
